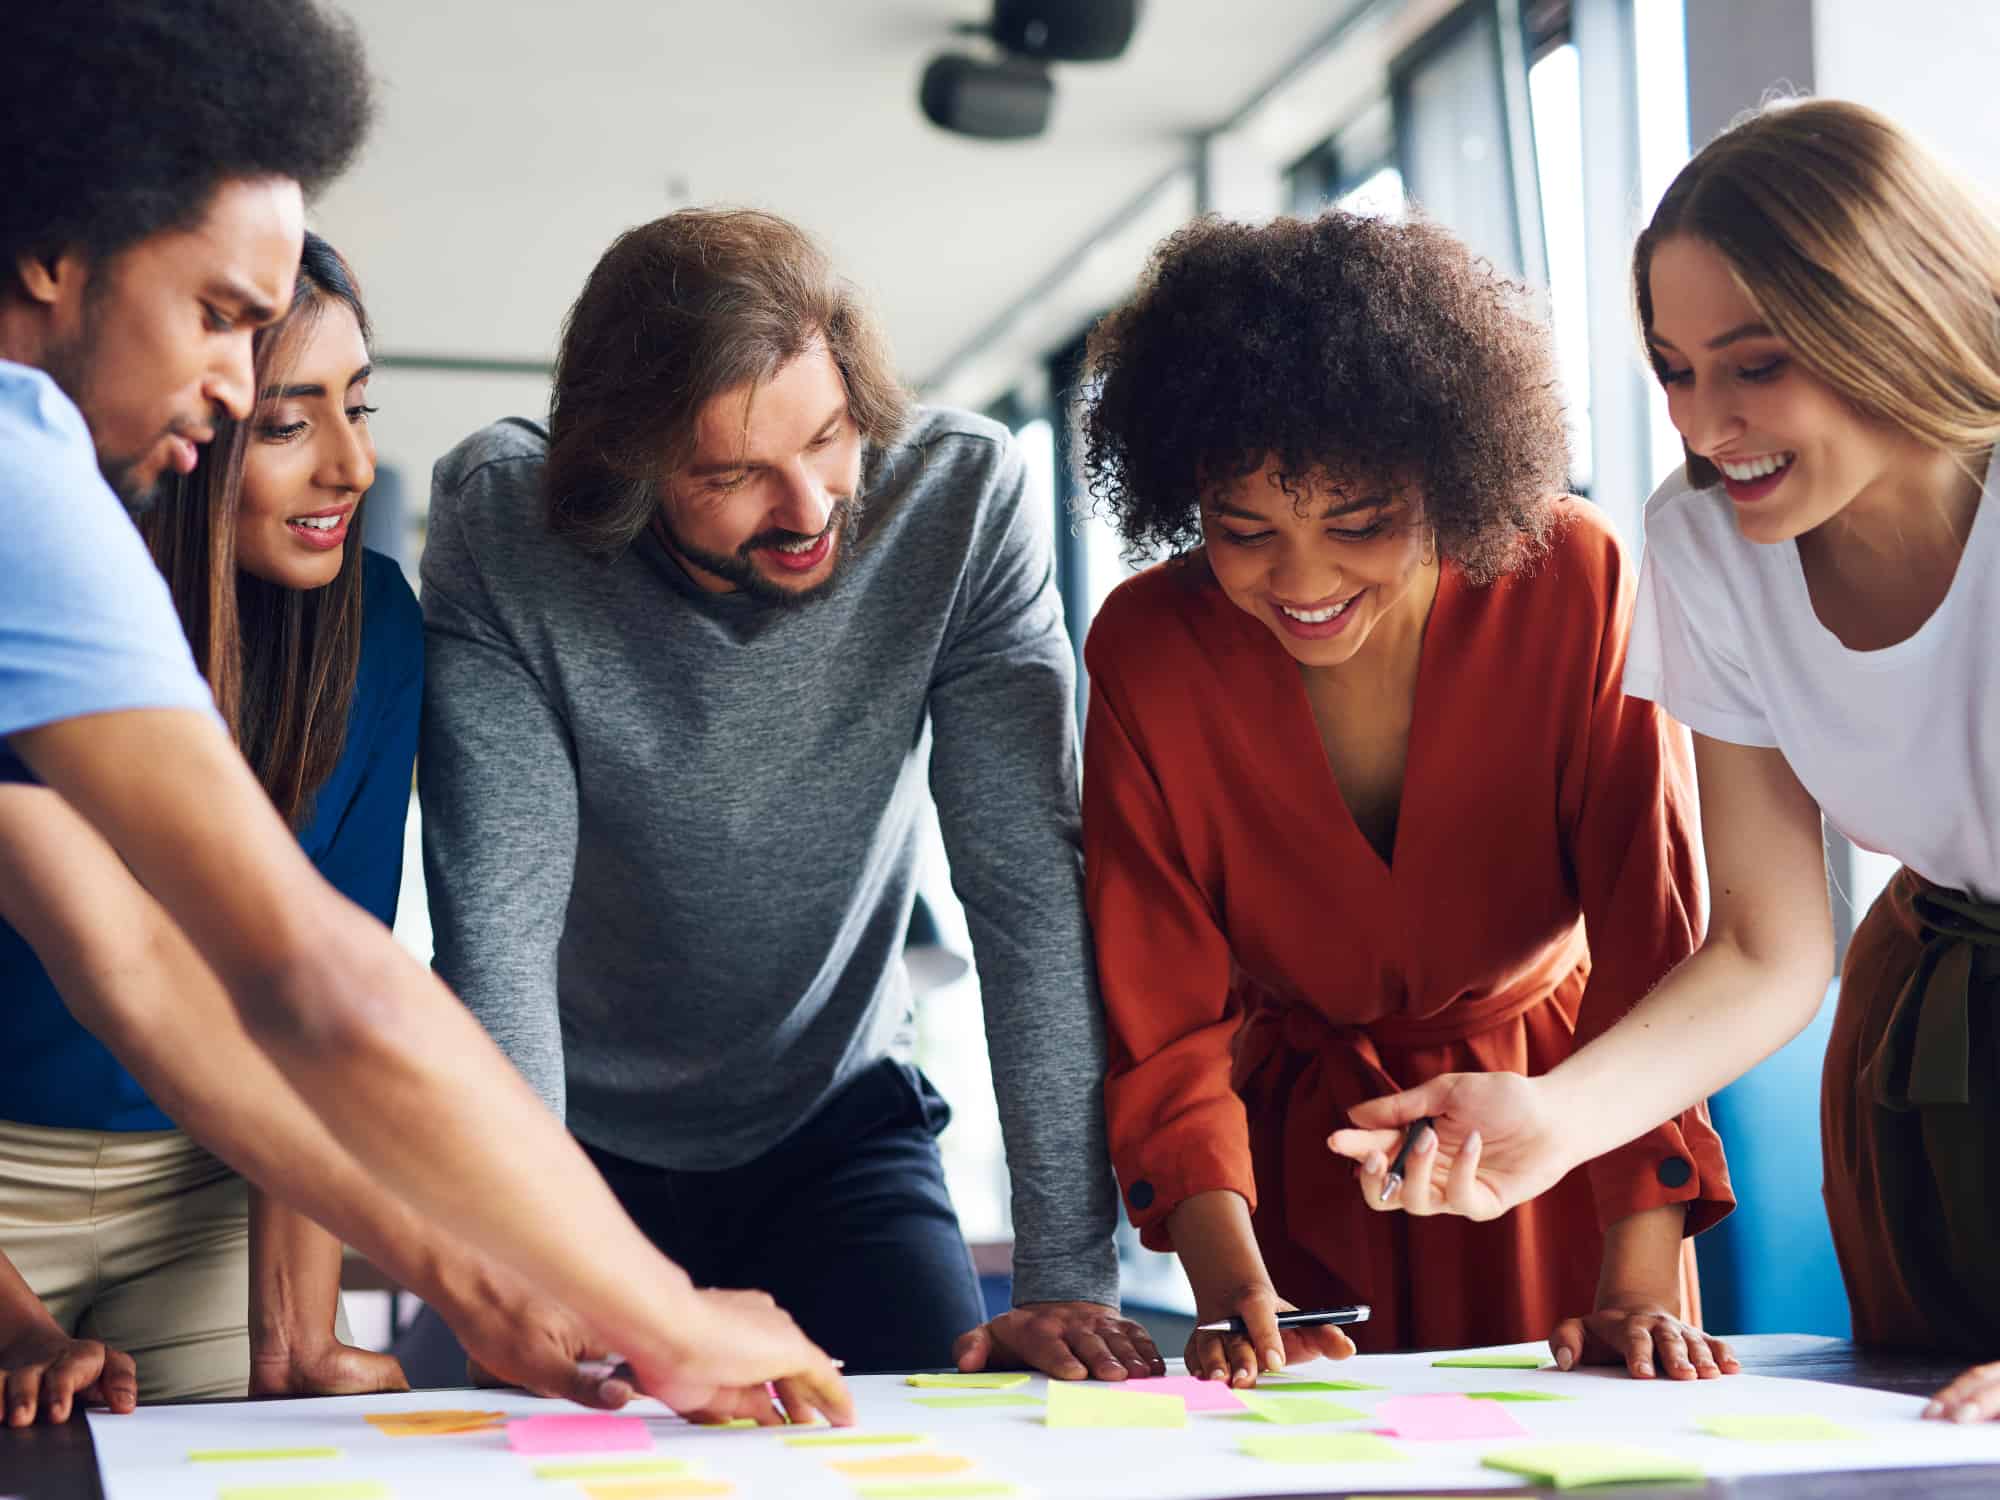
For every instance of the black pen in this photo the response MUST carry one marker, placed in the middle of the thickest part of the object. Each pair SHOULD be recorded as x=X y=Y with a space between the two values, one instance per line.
x=1395 y=1178
x=1313 y=1319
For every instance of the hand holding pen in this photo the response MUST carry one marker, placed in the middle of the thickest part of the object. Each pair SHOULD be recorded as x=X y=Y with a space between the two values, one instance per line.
x=1470 y=1144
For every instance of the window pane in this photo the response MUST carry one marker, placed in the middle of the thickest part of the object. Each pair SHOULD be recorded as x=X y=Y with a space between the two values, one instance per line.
x=1557 y=106
x=1380 y=194
x=1453 y=124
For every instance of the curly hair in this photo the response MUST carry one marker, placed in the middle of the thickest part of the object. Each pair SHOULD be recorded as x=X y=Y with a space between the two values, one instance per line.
x=120 y=118
x=1340 y=345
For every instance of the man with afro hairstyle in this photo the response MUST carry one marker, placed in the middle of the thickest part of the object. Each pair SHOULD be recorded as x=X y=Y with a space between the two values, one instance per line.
x=157 y=161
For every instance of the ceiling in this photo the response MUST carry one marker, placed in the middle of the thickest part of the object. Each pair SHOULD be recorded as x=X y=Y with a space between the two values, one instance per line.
x=517 y=139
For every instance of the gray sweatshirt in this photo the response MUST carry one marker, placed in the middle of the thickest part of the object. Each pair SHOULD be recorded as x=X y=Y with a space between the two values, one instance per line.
x=670 y=836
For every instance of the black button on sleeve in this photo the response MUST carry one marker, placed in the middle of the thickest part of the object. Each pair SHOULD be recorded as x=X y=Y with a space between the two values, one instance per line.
x=1141 y=1195
x=1675 y=1172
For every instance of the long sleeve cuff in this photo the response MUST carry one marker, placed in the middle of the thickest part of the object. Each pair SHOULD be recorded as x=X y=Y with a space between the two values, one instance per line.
x=1089 y=1275
x=1678 y=1162
x=1170 y=1169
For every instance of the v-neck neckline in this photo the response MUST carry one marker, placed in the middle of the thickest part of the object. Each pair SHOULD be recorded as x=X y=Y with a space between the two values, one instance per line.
x=1303 y=720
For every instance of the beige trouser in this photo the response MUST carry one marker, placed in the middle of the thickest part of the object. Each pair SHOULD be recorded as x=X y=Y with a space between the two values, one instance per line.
x=138 y=1238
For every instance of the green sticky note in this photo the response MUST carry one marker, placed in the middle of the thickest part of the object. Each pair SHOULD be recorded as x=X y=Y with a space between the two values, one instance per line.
x=1075 y=1404
x=1490 y=1362
x=1779 y=1429
x=1515 y=1396
x=732 y=1422
x=978 y=1380
x=1323 y=1448
x=1566 y=1466
x=852 y=1439
x=1296 y=1411
x=948 y=1489
x=339 y=1489
x=973 y=1403
x=1286 y=1387
x=256 y=1455
x=613 y=1468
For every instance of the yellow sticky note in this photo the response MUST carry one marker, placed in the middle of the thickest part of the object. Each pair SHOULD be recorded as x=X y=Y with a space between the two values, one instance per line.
x=732 y=1422
x=905 y=1465
x=1285 y=1387
x=1779 y=1429
x=657 y=1489
x=256 y=1455
x=340 y=1489
x=852 y=1439
x=1515 y=1396
x=1569 y=1465
x=1489 y=1362
x=976 y=1402
x=1297 y=1411
x=1322 y=1448
x=1076 y=1404
x=614 y=1468
x=978 y=1380
x=937 y=1489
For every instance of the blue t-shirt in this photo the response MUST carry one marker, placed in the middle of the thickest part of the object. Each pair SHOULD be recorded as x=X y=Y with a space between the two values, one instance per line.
x=53 y=1072
x=86 y=623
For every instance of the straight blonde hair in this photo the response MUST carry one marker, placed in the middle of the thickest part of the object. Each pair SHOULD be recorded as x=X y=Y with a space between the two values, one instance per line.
x=1860 y=249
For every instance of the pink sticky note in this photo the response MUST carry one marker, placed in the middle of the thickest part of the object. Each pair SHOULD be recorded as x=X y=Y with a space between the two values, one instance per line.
x=579 y=1433
x=1200 y=1395
x=1425 y=1417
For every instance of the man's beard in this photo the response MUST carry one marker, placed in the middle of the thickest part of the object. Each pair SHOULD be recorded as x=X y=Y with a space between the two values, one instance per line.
x=69 y=366
x=740 y=568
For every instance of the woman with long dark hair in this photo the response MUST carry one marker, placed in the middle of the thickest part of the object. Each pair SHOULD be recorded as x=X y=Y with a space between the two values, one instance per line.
x=130 y=1241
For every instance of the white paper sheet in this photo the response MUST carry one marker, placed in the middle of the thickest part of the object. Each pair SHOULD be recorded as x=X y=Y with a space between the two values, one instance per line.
x=144 y=1456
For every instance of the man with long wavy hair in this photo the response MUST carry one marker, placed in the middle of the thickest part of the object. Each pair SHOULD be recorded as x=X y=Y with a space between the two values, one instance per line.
x=693 y=648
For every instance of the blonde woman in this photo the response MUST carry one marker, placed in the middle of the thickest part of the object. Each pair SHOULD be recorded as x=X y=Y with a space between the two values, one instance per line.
x=1820 y=603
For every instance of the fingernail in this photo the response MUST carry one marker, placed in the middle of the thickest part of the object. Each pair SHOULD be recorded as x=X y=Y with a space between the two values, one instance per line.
x=1274 y=1359
x=1472 y=1141
x=1562 y=1359
x=1935 y=1409
x=1642 y=1368
x=1966 y=1413
x=1243 y=1373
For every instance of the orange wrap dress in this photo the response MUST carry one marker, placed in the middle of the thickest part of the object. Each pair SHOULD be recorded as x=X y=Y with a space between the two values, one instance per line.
x=1264 y=969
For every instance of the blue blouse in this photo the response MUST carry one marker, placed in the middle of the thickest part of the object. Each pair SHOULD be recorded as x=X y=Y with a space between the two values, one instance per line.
x=53 y=1072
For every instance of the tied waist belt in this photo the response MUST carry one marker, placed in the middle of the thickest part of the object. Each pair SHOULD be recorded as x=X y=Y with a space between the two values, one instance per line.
x=1298 y=1072
x=1273 y=1027
x=1924 y=1057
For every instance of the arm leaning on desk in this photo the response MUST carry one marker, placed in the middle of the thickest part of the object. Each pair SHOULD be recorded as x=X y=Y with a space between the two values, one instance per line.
x=57 y=1463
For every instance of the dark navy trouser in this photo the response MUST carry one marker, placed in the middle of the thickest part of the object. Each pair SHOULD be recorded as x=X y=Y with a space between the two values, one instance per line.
x=846 y=1222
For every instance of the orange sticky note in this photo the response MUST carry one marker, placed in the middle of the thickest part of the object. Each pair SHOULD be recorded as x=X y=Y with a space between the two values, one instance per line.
x=434 y=1423
x=904 y=1465
x=657 y=1489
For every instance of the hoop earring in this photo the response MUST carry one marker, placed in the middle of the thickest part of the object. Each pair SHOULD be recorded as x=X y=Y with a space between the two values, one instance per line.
x=1430 y=546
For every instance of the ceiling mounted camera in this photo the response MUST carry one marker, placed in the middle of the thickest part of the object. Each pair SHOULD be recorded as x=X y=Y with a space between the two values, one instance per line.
x=1009 y=97
x=1065 y=30
x=996 y=101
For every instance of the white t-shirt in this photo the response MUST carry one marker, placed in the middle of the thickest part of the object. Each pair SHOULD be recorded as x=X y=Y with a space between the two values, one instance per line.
x=1900 y=747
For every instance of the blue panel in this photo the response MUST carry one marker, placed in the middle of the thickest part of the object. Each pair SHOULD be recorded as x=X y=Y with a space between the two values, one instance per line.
x=1770 y=1267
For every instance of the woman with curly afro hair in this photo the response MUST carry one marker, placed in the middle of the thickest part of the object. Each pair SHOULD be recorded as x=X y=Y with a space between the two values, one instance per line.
x=1363 y=800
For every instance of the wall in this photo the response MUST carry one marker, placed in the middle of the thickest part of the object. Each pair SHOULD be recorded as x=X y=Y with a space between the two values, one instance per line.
x=1929 y=64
